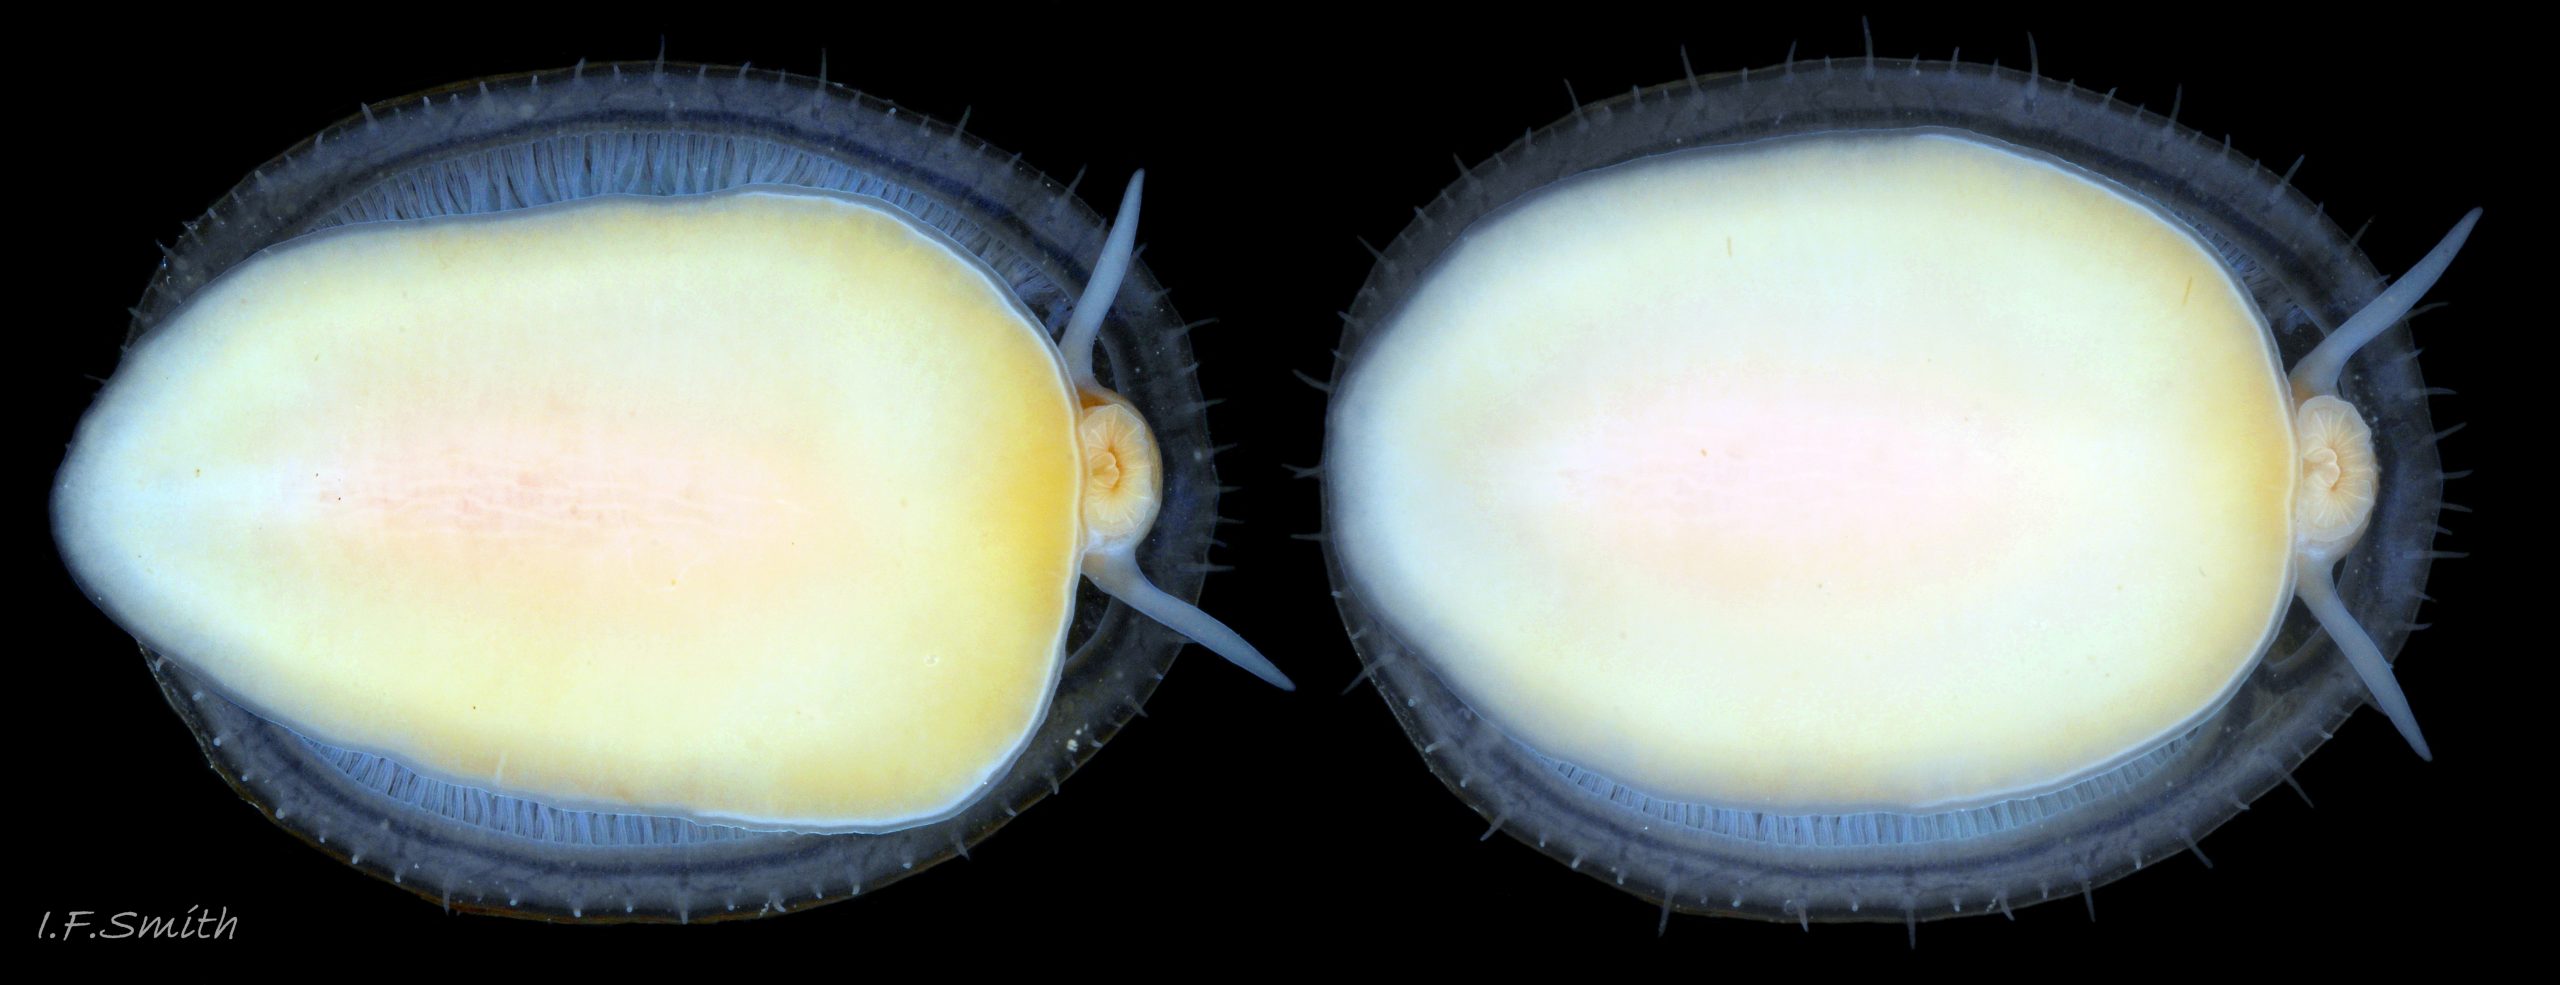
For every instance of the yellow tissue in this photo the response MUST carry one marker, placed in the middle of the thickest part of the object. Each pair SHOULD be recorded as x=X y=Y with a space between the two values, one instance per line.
x=760 y=507
x=1887 y=471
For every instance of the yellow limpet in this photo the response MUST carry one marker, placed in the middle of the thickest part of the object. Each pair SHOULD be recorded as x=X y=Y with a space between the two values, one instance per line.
x=763 y=507
x=1893 y=471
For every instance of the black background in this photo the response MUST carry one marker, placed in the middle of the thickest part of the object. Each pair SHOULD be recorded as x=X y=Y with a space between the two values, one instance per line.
x=1238 y=824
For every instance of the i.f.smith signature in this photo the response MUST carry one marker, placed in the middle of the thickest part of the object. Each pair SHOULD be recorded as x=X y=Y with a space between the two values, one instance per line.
x=197 y=922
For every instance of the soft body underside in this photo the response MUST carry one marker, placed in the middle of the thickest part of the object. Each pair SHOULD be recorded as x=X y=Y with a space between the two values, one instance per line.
x=1882 y=472
x=756 y=507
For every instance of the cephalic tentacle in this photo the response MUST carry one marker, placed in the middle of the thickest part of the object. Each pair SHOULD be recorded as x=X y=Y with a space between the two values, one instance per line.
x=1084 y=328
x=2317 y=551
x=1115 y=571
x=2316 y=375
x=1111 y=563
x=2318 y=591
